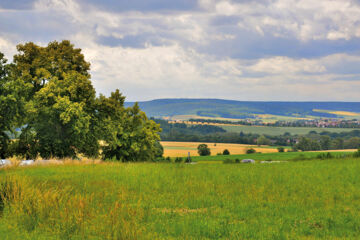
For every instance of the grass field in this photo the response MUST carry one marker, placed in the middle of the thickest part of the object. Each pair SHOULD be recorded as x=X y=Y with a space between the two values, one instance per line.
x=280 y=130
x=181 y=149
x=295 y=200
x=276 y=156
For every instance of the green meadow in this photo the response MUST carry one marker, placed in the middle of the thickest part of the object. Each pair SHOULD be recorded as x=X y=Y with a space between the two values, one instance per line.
x=280 y=130
x=284 y=156
x=317 y=199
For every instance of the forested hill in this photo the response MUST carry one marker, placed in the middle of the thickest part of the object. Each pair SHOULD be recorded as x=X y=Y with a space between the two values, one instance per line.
x=242 y=109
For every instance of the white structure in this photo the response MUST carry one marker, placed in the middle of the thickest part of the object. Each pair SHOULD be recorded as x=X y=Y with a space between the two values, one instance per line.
x=4 y=162
x=26 y=162
x=247 y=161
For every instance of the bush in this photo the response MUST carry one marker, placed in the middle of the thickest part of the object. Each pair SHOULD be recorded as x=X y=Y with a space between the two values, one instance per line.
x=203 y=150
x=357 y=154
x=237 y=160
x=226 y=152
x=188 y=159
x=324 y=156
x=178 y=160
x=281 y=149
x=299 y=158
x=228 y=161
x=250 y=151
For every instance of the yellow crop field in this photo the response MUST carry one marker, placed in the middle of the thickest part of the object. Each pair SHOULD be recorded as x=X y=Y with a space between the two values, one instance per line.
x=181 y=149
x=339 y=113
x=344 y=113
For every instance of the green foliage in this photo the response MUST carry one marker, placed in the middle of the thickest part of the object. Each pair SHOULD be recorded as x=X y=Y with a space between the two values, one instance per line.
x=226 y=152
x=178 y=160
x=61 y=116
x=203 y=150
x=8 y=106
x=281 y=149
x=48 y=90
x=159 y=149
x=325 y=142
x=327 y=155
x=26 y=146
x=250 y=151
x=262 y=140
x=230 y=161
x=308 y=144
x=357 y=154
x=128 y=133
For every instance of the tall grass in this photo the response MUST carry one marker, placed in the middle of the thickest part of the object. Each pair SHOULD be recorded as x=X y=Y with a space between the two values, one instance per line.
x=295 y=200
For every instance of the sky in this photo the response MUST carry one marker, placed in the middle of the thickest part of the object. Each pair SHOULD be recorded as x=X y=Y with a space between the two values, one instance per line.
x=264 y=50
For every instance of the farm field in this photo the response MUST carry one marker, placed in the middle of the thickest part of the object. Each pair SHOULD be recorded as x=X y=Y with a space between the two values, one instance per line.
x=280 y=130
x=316 y=199
x=181 y=149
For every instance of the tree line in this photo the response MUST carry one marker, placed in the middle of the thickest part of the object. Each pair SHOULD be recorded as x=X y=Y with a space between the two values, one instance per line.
x=308 y=142
x=47 y=93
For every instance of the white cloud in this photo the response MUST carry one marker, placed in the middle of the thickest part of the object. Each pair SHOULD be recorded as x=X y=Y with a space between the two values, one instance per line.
x=183 y=60
x=285 y=65
x=7 y=47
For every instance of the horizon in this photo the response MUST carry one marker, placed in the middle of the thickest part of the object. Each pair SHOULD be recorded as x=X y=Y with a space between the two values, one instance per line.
x=223 y=99
x=283 y=50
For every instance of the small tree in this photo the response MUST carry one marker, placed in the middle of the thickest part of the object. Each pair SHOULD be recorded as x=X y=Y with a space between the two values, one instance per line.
x=226 y=152
x=262 y=140
x=203 y=150
x=250 y=151
x=281 y=149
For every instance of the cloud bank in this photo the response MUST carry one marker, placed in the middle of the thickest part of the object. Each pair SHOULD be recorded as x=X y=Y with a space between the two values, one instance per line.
x=245 y=50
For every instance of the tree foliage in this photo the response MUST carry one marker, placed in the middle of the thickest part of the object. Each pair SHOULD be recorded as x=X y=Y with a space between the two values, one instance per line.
x=128 y=133
x=48 y=92
x=8 y=106
x=203 y=150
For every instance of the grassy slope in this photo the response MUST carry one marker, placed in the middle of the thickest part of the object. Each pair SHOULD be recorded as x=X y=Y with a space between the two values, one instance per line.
x=281 y=130
x=307 y=200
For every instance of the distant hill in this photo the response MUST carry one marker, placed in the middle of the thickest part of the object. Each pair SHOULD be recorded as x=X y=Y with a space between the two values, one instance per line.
x=218 y=108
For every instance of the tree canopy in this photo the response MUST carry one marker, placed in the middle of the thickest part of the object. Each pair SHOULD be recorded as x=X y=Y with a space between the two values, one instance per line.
x=47 y=91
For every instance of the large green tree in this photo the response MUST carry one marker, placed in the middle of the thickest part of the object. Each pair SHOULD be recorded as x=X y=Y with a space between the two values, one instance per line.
x=55 y=84
x=61 y=116
x=8 y=106
x=128 y=134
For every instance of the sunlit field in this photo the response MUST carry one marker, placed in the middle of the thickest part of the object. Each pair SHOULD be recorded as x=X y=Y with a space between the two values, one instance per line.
x=181 y=149
x=317 y=199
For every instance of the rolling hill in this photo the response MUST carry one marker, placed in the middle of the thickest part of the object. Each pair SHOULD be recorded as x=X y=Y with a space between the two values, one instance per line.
x=219 y=108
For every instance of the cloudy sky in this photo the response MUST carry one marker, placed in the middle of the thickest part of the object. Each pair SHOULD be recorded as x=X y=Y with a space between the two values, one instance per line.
x=289 y=50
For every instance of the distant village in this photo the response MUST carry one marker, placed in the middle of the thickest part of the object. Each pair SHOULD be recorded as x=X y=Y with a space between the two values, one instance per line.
x=319 y=123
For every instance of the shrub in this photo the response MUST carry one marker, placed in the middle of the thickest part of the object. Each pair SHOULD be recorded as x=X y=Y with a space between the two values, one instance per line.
x=226 y=152
x=188 y=159
x=203 y=150
x=168 y=159
x=300 y=157
x=227 y=161
x=281 y=149
x=357 y=154
x=250 y=151
x=237 y=160
x=324 y=156
x=178 y=160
